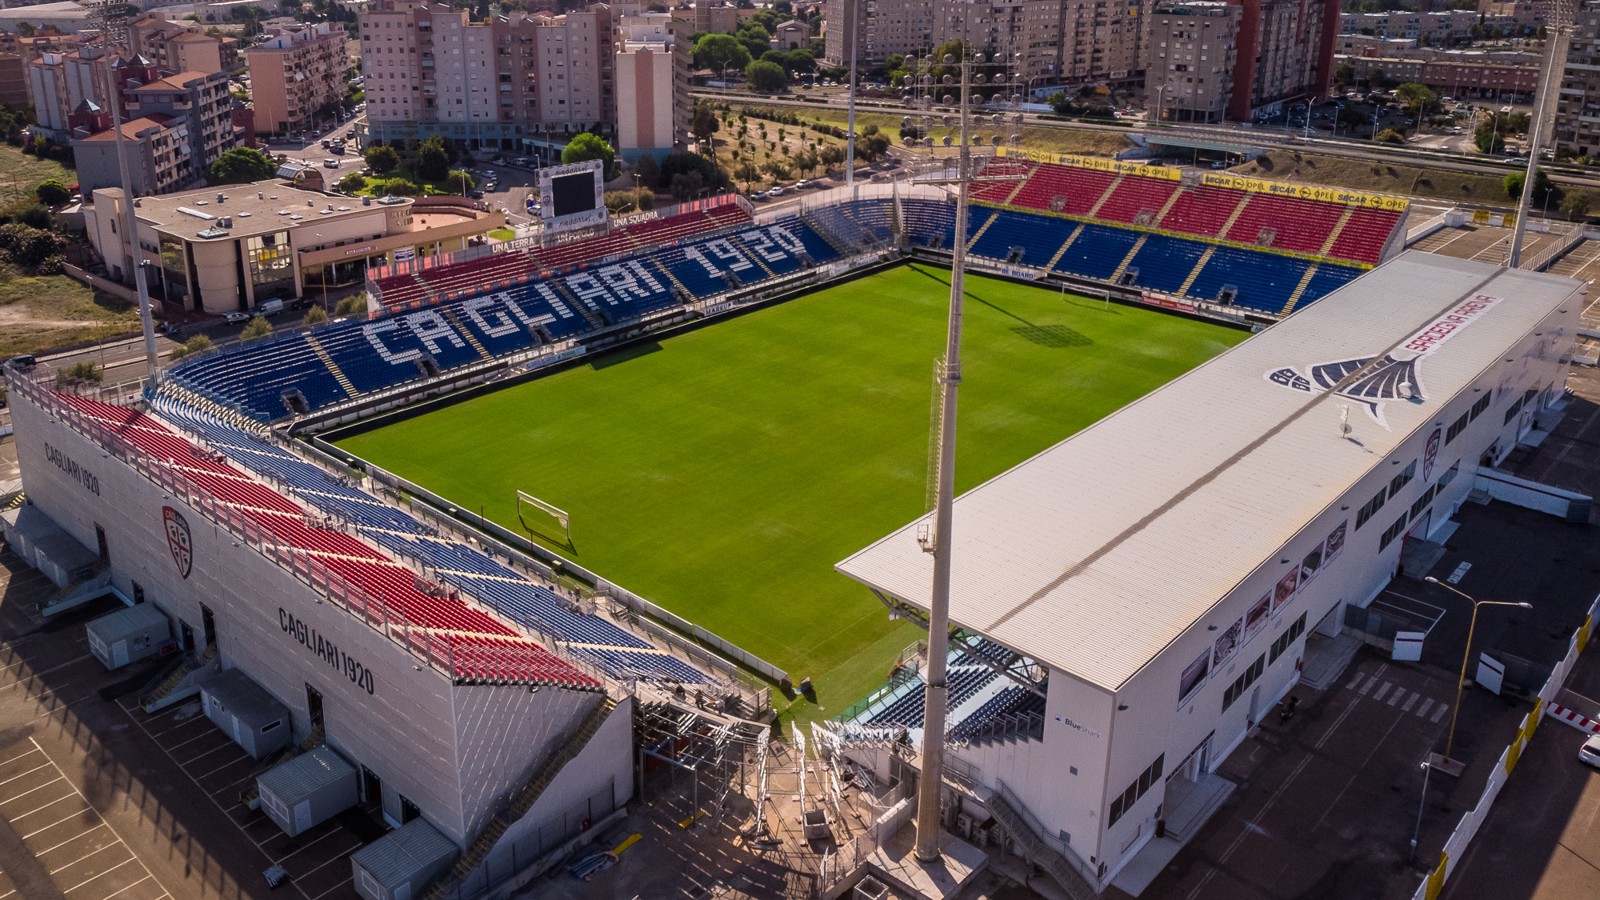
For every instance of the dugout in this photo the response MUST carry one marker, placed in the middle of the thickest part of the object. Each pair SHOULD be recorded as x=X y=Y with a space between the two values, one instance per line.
x=400 y=864
x=129 y=635
x=246 y=712
x=308 y=790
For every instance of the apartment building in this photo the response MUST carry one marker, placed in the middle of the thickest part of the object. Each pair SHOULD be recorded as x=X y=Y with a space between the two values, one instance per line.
x=1192 y=58
x=157 y=149
x=90 y=77
x=1257 y=54
x=182 y=46
x=507 y=83
x=652 y=85
x=298 y=76
x=1498 y=77
x=1053 y=41
x=1577 y=115
x=178 y=125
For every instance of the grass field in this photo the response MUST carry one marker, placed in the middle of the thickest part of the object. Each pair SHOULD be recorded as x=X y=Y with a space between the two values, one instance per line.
x=723 y=472
x=44 y=312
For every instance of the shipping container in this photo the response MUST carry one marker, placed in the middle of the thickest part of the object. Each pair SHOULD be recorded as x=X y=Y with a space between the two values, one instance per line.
x=246 y=712
x=401 y=864
x=129 y=635
x=308 y=790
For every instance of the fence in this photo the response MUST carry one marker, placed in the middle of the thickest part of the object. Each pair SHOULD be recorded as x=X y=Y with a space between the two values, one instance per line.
x=1456 y=846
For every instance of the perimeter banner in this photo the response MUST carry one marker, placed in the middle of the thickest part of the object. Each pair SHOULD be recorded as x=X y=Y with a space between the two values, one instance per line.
x=1099 y=164
x=1304 y=191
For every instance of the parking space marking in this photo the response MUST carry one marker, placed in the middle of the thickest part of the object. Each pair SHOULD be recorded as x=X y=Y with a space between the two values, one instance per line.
x=85 y=808
x=1439 y=713
x=128 y=888
x=1427 y=703
x=1395 y=697
x=1382 y=692
x=1411 y=701
x=32 y=789
x=21 y=774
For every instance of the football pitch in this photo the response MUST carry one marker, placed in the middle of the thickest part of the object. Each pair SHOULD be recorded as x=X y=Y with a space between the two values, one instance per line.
x=723 y=471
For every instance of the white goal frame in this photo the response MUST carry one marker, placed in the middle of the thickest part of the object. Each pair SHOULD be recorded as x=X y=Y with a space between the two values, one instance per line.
x=550 y=509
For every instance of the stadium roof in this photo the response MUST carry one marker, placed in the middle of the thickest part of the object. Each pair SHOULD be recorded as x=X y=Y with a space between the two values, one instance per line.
x=1096 y=554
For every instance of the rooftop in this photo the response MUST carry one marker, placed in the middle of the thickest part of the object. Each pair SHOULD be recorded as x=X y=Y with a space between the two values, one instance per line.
x=1096 y=575
x=259 y=208
x=132 y=130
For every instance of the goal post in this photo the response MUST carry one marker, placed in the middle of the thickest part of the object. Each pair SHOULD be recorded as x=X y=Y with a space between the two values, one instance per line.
x=549 y=509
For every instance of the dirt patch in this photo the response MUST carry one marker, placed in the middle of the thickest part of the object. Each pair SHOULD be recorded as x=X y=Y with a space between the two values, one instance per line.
x=1387 y=178
x=42 y=313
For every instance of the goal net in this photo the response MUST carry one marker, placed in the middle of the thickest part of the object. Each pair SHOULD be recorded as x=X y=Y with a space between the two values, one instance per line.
x=541 y=516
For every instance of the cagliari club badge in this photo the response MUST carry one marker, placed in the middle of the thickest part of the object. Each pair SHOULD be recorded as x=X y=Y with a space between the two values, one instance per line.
x=178 y=540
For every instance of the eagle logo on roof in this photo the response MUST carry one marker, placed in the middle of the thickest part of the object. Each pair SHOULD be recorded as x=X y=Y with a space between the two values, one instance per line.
x=1373 y=381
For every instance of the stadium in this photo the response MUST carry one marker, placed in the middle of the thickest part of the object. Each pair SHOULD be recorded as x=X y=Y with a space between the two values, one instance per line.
x=559 y=506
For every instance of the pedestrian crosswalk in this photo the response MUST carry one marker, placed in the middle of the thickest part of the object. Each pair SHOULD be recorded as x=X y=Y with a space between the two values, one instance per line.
x=1381 y=690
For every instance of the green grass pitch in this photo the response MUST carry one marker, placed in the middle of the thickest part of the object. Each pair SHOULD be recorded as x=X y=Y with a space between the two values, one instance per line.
x=723 y=472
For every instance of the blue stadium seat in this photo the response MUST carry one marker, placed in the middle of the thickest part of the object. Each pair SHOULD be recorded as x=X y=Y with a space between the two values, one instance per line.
x=1164 y=263
x=1097 y=252
x=1264 y=280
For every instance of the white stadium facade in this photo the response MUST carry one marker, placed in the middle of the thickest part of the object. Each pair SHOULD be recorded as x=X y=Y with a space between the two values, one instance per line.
x=1154 y=577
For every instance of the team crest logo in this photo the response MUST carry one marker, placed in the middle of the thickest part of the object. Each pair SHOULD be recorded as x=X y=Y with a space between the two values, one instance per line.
x=1373 y=381
x=178 y=539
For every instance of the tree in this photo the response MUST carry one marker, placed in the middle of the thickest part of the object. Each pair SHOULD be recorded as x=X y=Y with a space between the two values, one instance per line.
x=1416 y=98
x=1488 y=138
x=681 y=164
x=352 y=183
x=255 y=329
x=1542 y=186
x=197 y=344
x=241 y=165
x=382 y=160
x=648 y=170
x=433 y=160
x=315 y=316
x=1344 y=73
x=719 y=51
x=703 y=124
x=355 y=305
x=51 y=192
x=756 y=39
x=1390 y=136
x=1575 y=206
x=765 y=76
x=460 y=181
x=84 y=371
x=588 y=146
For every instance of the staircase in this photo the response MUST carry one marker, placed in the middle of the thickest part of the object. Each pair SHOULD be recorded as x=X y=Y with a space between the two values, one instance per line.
x=838 y=245
x=466 y=332
x=523 y=799
x=1035 y=850
x=338 y=373
x=1050 y=266
x=1183 y=289
x=1094 y=211
x=177 y=682
x=685 y=295
x=1233 y=217
x=973 y=241
x=1133 y=251
x=1021 y=183
x=1300 y=288
x=1333 y=236
x=1166 y=207
x=583 y=308
x=751 y=255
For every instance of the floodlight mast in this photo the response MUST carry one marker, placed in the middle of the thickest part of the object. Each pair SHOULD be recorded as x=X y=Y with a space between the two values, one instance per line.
x=931 y=786
x=1549 y=81
x=110 y=18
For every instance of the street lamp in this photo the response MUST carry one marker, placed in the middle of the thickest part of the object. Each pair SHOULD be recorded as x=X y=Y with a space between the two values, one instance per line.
x=1160 y=91
x=1466 y=652
x=1416 y=833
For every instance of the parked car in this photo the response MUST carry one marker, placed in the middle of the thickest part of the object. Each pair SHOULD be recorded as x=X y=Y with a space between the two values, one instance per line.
x=235 y=318
x=1590 y=751
x=330 y=163
x=775 y=192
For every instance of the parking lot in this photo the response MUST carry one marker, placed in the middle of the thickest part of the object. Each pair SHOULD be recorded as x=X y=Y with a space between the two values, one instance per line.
x=316 y=860
x=1484 y=243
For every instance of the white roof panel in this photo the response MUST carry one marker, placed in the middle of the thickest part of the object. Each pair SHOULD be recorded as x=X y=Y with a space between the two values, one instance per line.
x=1097 y=553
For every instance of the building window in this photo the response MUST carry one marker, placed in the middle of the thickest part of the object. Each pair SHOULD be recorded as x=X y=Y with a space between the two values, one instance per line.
x=1455 y=429
x=1480 y=406
x=1392 y=532
x=1403 y=479
x=271 y=264
x=1243 y=682
x=1147 y=779
x=1511 y=412
x=1288 y=637
x=1423 y=501
x=1370 y=509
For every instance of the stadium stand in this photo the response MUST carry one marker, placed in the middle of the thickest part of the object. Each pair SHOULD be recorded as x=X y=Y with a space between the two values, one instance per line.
x=1012 y=702
x=1249 y=279
x=1202 y=210
x=464 y=568
x=1135 y=194
x=1365 y=235
x=1164 y=263
x=1287 y=223
x=1064 y=189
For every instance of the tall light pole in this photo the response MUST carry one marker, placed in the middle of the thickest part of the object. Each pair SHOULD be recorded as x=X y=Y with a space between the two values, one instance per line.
x=1160 y=91
x=1550 y=81
x=111 y=21
x=1466 y=652
x=850 y=125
